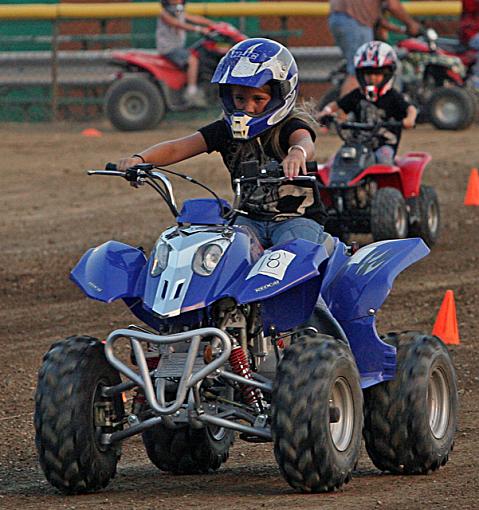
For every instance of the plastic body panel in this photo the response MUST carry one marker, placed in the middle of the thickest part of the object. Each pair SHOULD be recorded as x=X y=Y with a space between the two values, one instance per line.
x=110 y=271
x=354 y=288
x=155 y=65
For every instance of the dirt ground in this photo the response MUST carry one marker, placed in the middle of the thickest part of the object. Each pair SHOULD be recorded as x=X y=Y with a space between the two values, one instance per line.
x=51 y=212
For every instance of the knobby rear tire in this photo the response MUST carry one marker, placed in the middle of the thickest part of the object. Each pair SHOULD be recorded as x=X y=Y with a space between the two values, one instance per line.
x=410 y=421
x=451 y=108
x=134 y=103
x=429 y=224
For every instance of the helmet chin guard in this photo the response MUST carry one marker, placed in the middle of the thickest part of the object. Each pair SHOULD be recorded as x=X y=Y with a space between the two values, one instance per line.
x=239 y=125
x=255 y=63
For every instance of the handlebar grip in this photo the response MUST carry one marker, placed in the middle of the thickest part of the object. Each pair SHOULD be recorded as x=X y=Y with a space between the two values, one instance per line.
x=110 y=166
x=311 y=166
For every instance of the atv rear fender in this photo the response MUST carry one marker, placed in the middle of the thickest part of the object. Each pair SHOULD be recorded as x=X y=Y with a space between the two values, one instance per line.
x=412 y=166
x=362 y=282
x=158 y=67
x=354 y=288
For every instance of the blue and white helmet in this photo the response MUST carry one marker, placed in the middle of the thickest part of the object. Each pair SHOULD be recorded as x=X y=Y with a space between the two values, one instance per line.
x=255 y=63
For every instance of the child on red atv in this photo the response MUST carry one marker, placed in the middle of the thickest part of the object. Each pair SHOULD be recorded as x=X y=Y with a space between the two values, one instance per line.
x=376 y=63
x=171 y=28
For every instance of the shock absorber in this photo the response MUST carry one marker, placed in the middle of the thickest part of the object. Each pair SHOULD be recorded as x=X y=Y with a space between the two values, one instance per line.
x=240 y=366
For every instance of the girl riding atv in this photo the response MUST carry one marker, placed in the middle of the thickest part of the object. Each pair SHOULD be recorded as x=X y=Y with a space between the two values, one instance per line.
x=258 y=85
x=376 y=63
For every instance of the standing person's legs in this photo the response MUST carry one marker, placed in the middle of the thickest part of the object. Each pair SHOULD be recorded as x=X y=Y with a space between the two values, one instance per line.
x=474 y=44
x=349 y=35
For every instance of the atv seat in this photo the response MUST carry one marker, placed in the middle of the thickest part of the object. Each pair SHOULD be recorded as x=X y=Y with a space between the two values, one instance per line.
x=327 y=240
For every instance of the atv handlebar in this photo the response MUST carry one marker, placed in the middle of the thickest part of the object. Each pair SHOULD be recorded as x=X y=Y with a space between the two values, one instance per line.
x=143 y=174
x=371 y=128
x=366 y=126
x=271 y=173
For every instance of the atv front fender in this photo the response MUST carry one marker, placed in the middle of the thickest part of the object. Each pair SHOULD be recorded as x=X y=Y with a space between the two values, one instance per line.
x=110 y=271
x=286 y=281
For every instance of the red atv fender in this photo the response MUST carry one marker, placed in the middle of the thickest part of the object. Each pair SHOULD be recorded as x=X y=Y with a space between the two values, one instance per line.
x=156 y=65
x=412 y=165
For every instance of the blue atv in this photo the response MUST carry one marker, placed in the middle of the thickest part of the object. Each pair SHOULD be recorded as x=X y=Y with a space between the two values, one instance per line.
x=276 y=345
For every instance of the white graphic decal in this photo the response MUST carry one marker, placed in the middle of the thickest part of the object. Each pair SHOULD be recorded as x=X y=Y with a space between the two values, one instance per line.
x=273 y=264
x=267 y=286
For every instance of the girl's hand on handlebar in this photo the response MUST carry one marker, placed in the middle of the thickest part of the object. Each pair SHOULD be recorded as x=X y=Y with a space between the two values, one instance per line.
x=125 y=163
x=408 y=123
x=294 y=163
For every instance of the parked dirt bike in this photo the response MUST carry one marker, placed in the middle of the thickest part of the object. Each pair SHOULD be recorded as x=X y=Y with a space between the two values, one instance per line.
x=221 y=349
x=430 y=79
x=148 y=84
x=388 y=201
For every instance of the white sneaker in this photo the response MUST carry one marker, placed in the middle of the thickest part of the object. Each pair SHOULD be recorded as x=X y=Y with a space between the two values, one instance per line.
x=195 y=99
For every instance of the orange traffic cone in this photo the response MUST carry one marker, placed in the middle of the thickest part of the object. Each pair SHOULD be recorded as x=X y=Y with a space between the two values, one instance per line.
x=445 y=326
x=93 y=132
x=472 y=192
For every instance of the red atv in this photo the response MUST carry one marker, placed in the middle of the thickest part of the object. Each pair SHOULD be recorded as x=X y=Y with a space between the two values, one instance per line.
x=436 y=78
x=449 y=46
x=148 y=85
x=387 y=201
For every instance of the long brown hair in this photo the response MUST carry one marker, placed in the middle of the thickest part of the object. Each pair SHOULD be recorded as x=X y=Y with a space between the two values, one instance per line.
x=303 y=112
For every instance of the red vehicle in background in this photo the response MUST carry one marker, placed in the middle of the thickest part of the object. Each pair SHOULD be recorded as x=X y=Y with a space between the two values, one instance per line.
x=361 y=196
x=148 y=85
x=449 y=46
x=432 y=77
x=434 y=74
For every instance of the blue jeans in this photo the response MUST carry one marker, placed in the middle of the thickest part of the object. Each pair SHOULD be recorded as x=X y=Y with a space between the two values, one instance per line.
x=384 y=155
x=270 y=233
x=474 y=44
x=349 y=35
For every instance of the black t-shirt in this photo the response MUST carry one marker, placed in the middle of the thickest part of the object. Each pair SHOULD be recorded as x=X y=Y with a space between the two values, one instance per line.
x=273 y=203
x=390 y=106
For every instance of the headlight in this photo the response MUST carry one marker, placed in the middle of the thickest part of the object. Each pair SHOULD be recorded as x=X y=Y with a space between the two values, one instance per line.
x=160 y=260
x=208 y=257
